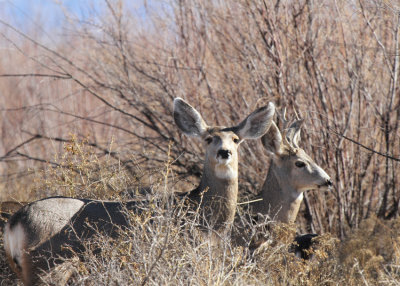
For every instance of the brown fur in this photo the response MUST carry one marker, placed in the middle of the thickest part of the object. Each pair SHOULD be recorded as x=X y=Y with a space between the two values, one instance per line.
x=282 y=191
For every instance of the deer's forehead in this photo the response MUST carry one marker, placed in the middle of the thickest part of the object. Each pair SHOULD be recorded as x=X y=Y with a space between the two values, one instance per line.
x=220 y=131
x=290 y=154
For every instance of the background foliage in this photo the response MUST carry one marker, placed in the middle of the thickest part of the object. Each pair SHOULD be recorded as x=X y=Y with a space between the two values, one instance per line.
x=112 y=77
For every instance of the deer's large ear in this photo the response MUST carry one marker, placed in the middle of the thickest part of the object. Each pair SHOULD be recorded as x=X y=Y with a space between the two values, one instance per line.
x=272 y=140
x=293 y=133
x=188 y=119
x=256 y=124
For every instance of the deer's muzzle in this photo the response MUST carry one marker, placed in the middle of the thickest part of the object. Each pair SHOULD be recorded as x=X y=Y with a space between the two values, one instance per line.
x=224 y=154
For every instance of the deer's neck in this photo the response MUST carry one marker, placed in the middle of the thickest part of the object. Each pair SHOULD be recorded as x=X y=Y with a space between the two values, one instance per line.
x=280 y=199
x=218 y=195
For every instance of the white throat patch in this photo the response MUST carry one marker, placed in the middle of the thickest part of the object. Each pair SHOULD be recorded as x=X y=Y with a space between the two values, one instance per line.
x=225 y=171
x=224 y=161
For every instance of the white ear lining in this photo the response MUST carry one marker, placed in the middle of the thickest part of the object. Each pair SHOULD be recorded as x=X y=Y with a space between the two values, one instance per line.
x=256 y=124
x=188 y=119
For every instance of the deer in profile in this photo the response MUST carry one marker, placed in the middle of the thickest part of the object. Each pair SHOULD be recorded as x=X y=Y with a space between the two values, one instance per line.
x=291 y=173
x=41 y=234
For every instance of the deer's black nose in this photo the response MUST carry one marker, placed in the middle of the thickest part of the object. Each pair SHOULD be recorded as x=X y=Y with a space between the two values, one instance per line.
x=224 y=154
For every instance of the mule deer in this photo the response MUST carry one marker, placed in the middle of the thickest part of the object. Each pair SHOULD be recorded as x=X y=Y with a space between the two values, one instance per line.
x=291 y=173
x=42 y=233
x=218 y=189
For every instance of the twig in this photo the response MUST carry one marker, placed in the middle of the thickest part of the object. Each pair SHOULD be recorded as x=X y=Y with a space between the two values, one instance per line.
x=36 y=75
x=365 y=147
x=249 y=202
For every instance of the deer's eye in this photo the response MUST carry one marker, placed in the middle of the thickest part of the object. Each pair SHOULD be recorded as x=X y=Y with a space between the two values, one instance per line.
x=235 y=139
x=208 y=140
x=300 y=164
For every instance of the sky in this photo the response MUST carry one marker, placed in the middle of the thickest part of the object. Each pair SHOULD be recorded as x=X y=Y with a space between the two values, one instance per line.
x=27 y=12
x=22 y=14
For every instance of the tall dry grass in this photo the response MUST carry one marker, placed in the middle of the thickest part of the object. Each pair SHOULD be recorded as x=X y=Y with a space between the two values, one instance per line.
x=110 y=78
x=163 y=246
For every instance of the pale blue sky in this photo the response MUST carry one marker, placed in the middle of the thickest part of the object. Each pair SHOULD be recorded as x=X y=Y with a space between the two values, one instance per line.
x=50 y=13
x=27 y=12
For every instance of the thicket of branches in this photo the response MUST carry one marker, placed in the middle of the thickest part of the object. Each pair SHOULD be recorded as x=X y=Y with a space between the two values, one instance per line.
x=110 y=78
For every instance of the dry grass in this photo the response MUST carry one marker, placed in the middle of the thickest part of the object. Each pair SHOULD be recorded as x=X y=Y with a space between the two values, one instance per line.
x=164 y=246
x=111 y=79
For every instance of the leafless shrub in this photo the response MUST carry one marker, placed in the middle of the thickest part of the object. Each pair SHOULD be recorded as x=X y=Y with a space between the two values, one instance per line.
x=164 y=244
x=336 y=63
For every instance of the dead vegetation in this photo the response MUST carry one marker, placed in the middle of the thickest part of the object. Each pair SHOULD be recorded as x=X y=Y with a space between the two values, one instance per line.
x=112 y=78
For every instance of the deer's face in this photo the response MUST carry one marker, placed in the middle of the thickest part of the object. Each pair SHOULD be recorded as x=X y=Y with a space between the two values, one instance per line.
x=293 y=165
x=221 y=143
x=301 y=172
x=222 y=152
